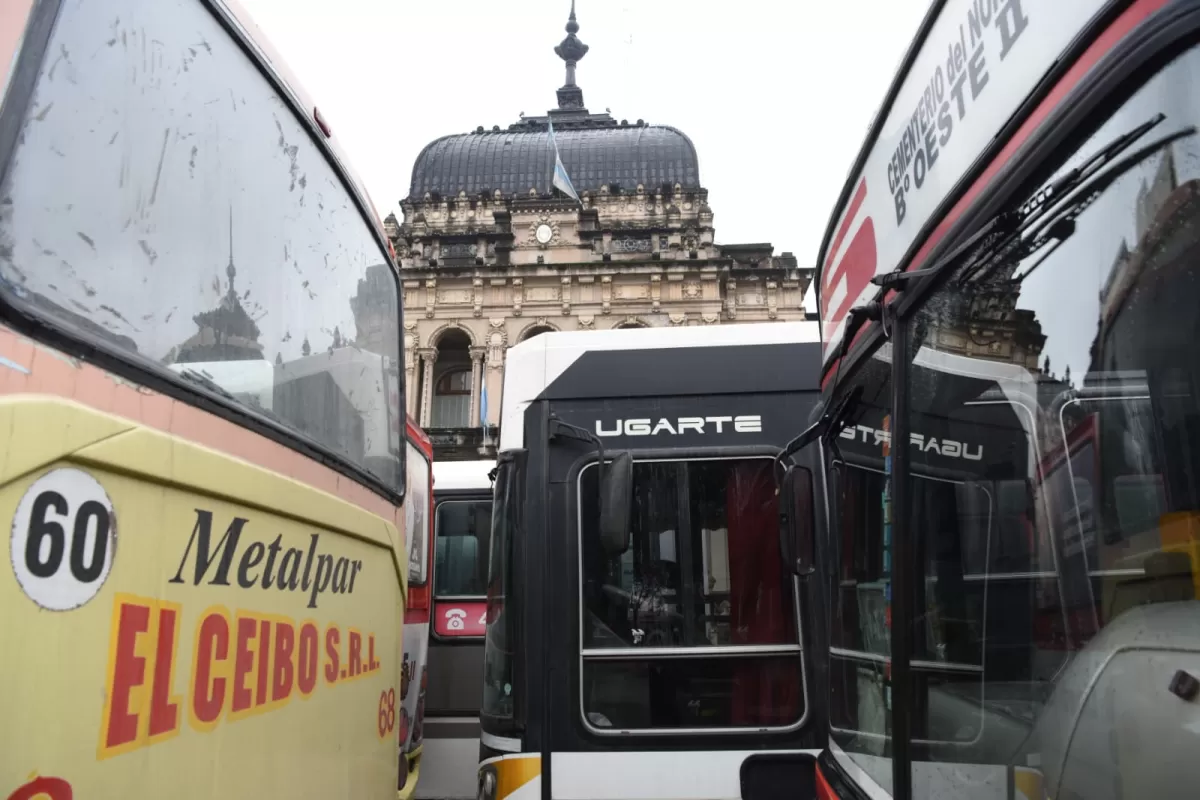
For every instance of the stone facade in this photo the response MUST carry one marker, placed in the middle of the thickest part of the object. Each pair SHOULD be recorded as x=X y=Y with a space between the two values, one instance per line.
x=485 y=268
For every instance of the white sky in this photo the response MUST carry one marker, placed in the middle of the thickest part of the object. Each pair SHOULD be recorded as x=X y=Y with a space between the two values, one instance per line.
x=776 y=94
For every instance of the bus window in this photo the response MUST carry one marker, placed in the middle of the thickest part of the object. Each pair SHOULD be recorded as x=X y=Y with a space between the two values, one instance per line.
x=464 y=530
x=416 y=515
x=703 y=570
x=858 y=628
x=164 y=205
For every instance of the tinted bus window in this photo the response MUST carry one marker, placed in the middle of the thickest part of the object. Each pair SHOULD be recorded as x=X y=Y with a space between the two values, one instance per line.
x=463 y=532
x=163 y=202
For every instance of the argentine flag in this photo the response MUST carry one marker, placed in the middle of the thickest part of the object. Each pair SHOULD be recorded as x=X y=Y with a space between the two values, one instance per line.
x=561 y=181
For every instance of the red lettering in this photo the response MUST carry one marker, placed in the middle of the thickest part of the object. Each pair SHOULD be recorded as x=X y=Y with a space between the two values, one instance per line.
x=164 y=711
x=355 y=653
x=285 y=644
x=372 y=664
x=306 y=677
x=332 y=639
x=44 y=789
x=129 y=671
x=208 y=693
x=264 y=638
x=243 y=663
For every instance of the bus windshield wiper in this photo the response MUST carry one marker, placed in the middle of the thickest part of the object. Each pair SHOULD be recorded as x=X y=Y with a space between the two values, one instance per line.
x=200 y=379
x=997 y=239
x=1060 y=225
x=1013 y=233
x=829 y=424
x=1048 y=218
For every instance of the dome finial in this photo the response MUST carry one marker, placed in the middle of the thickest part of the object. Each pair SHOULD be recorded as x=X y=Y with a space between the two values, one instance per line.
x=572 y=25
x=571 y=50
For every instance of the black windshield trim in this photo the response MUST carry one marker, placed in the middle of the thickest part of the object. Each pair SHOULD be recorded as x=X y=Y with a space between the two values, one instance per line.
x=585 y=655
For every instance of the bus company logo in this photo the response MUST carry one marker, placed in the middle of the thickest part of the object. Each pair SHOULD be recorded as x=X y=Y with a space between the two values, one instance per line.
x=313 y=573
x=947 y=448
x=749 y=423
x=843 y=281
x=241 y=664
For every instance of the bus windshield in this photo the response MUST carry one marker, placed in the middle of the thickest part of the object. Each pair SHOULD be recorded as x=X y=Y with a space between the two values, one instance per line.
x=1061 y=371
x=164 y=204
x=694 y=626
x=500 y=643
x=464 y=529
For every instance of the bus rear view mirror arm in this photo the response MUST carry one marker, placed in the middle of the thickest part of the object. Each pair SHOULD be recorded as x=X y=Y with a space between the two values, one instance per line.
x=616 y=487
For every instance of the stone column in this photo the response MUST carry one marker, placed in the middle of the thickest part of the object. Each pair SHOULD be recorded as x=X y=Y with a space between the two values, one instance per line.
x=411 y=370
x=477 y=354
x=428 y=359
x=494 y=378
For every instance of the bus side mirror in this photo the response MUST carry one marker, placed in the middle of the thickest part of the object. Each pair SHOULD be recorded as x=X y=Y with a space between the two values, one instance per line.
x=796 y=528
x=616 y=497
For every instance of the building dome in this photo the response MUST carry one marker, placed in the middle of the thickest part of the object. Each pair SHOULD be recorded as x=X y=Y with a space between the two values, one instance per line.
x=595 y=149
x=514 y=161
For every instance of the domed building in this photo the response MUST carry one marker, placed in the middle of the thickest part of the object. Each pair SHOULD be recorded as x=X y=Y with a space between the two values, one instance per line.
x=494 y=249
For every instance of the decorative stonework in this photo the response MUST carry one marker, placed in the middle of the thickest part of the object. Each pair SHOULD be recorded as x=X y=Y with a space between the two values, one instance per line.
x=543 y=219
x=450 y=325
x=631 y=244
x=497 y=342
x=541 y=322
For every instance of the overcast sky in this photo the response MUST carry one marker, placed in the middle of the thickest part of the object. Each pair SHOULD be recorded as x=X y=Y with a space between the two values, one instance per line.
x=776 y=94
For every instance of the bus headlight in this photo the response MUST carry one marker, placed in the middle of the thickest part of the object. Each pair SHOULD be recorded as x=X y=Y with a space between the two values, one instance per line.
x=487 y=784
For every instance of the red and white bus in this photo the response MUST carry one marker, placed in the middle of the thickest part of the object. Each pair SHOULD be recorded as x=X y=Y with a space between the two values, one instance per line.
x=418 y=523
x=1003 y=480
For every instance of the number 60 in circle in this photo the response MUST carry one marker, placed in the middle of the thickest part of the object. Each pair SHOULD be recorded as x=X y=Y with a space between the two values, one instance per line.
x=64 y=537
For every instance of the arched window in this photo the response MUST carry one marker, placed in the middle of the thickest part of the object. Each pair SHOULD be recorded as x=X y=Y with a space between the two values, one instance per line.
x=452 y=399
x=537 y=331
